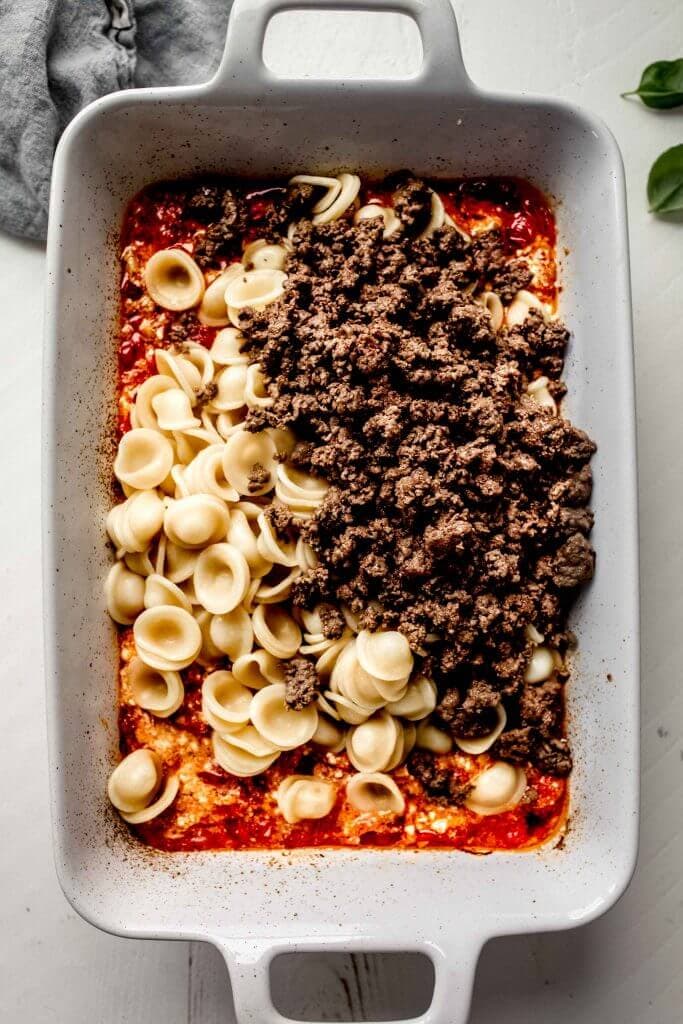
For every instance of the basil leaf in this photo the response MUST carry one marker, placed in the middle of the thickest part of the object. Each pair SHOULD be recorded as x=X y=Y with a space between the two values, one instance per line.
x=661 y=85
x=665 y=182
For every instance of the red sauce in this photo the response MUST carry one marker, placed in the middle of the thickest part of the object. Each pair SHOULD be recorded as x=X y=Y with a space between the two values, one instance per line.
x=240 y=813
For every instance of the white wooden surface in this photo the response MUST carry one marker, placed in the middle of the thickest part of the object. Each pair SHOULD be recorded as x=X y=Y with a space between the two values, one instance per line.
x=624 y=969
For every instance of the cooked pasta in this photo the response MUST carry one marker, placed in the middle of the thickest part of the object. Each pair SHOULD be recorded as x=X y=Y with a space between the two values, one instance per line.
x=497 y=789
x=174 y=280
x=301 y=796
x=375 y=793
x=160 y=693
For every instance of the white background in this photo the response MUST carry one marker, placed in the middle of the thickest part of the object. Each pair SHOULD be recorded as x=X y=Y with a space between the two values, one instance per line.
x=624 y=969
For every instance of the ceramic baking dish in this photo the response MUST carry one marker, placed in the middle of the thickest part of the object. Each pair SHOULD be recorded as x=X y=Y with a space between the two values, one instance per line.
x=254 y=905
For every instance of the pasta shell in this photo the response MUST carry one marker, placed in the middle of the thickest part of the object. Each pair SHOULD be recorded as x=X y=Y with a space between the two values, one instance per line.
x=173 y=410
x=150 y=389
x=371 y=746
x=349 y=189
x=180 y=562
x=498 y=788
x=385 y=655
x=144 y=459
x=161 y=804
x=273 y=548
x=483 y=743
x=258 y=669
x=375 y=793
x=302 y=797
x=167 y=637
x=329 y=735
x=159 y=590
x=276 y=631
x=125 y=594
x=231 y=384
x=430 y=738
x=173 y=279
x=221 y=578
x=255 y=289
x=225 y=702
x=244 y=537
x=196 y=521
x=255 y=390
x=279 y=724
x=332 y=188
x=262 y=255
x=227 y=347
x=135 y=780
x=538 y=390
x=160 y=693
x=373 y=210
x=232 y=633
x=212 y=311
x=246 y=453
x=239 y=762
x=436 y=218
x=418 y=702
x=541 y=666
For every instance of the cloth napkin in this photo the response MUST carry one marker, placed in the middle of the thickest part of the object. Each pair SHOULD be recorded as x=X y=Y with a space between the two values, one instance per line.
x=58 y=55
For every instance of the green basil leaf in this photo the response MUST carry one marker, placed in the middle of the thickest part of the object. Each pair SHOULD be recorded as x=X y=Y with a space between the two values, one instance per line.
x=661 y=85
x=665 y=182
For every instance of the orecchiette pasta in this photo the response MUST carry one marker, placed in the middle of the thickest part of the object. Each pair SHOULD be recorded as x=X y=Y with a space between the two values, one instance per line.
x=173 y=410
x=374 y=210
x=497 y=789
x=144 y=459
x=125 y=593
x=167 y=637
x=430 y=738
x=518 y=309
x=384 y=655
x=349 y=187
x=232 y=633
x=376 y=793
x=483 y=743
x=437 y=217
x=372 y=745
x=249 y=462
x=143 y=413
x=418 y=702
x=255 y=289
x=538 y=390
x=225 y=702
x=160 y=693
x=134 y=784
x=160 y=590
x=173 y=279
x=285 y=728
x=196 y=521
x=238 y=761
x=541 y=665
x=258 y=669
x=132 y=524
x=302 y=796
x=261 y=255
x=221 y=578
x=276 y=631
x=227 y=347
x=212 y=310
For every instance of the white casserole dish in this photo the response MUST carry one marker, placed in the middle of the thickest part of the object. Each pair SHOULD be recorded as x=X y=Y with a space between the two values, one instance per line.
x=254 y=905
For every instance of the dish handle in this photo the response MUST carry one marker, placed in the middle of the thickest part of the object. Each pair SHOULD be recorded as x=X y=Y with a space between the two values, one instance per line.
x=454 y=966
x=242 y=69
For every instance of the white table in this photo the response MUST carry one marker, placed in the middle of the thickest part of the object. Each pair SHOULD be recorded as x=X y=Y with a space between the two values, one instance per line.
x=625 y=968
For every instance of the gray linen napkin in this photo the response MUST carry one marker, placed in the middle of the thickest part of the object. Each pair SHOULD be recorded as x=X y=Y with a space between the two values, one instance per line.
x=58 y=55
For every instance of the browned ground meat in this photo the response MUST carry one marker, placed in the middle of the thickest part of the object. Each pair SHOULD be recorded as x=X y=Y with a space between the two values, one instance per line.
x=301 y=683
x=456 y=504
x=440 y=785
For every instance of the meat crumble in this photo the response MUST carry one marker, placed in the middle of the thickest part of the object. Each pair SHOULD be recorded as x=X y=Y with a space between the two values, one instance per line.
x=456 y=507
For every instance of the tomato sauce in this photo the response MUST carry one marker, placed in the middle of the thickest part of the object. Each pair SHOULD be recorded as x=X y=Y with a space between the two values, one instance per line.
x=214 y=810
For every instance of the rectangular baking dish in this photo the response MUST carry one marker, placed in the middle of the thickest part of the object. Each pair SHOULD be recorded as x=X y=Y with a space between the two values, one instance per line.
x=254 y=905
